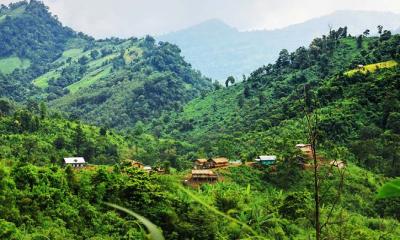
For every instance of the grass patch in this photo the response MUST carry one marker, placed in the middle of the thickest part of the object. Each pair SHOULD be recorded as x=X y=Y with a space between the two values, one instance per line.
x=372 y=67
x=8 y=65
x=89 y=79
x=72 y=53
x=43 y=80
x=132 y=53
x=99 y=62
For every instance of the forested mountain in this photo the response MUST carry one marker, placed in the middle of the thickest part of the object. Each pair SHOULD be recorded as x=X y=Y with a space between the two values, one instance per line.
x=30 y=39
x=60 y=81
x=218 y=50
x=30 y=32
x=32 y=135
x=112 y=82
x=269 y=104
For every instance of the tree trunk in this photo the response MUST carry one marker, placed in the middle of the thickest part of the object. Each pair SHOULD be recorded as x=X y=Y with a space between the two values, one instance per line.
x=316 y=192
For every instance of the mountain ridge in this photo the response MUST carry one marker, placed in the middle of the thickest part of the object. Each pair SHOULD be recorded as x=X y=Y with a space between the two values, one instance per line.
x=113 y=79
x=234 y=52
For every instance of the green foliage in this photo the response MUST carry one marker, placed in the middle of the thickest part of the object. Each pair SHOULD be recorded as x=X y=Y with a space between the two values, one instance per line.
x=260 y=115
x=46 y=36
x=154 y=232
x=8 y=65
x=390 y=189
x=296 y=205
x=172 y=115
x=34 y=136
x=112 y=82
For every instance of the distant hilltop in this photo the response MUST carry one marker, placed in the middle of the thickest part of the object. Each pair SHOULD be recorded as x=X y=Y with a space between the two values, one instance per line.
x=219 y=50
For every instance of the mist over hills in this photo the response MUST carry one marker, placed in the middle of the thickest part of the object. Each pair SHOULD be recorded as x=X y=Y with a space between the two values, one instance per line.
x=219 y=50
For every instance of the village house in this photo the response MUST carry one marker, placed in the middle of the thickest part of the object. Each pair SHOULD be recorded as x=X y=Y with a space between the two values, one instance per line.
x=266 y=160
x=235 y=162
x=338 y=164
x=75 y=162
x=200 y=163
x=306 y=148
x=203 y=175
x=148 y=168
x=133 y=163
x=217 y=162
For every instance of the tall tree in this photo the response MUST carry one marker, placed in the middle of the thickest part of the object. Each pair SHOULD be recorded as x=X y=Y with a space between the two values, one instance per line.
x=312 y=127
x=42 y=110
x=359 y=41
x=283 y=59
x=380 y=28
x=230 y=80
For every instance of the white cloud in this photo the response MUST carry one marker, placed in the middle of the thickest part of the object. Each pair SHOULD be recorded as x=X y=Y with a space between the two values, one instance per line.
x=102 y=18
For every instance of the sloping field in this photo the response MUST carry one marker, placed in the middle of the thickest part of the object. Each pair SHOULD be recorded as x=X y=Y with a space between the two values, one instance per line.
x=8 y=65
x=372 y=67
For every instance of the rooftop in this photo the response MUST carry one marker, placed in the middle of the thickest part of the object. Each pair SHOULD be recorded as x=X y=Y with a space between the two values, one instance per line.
x=202 y=172
x=220 y=160
x=71 y=160
x=266 y=158
x=201 y=160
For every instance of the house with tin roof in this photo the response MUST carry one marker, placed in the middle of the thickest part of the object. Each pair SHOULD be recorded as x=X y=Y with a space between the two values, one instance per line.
x=266 y=160
x=75 y=162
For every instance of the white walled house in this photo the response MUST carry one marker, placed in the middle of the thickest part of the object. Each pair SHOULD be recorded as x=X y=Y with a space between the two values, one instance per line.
x=75 y=162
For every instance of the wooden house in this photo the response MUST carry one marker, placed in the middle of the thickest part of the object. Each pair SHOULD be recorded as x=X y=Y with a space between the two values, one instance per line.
x=266 y=160
x=148 y=168
x=160 y=170
x=203 y=175
x=133 y=163
x=306 y=148
x=200 y=163
x=75 y=162
x=217 y=162
x=338 y=164
x=235 y=162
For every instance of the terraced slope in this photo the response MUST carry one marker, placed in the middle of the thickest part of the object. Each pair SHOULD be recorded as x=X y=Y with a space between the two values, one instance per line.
x=113 y=82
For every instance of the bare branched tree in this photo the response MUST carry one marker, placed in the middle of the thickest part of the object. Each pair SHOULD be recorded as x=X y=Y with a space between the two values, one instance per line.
x=312 y=127
x=312 y=120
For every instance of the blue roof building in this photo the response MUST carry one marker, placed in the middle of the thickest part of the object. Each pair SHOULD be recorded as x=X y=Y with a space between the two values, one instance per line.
x=266 y=160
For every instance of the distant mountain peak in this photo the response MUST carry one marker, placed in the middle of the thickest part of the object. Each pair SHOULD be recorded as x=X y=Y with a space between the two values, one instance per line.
x=219 y=50
x=214 y=22
x=213 y=25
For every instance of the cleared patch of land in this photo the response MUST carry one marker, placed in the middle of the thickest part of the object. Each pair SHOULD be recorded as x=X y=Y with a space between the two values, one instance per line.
x=372 y=67
x=42 y=81
x=9 y=64
x=89 y=79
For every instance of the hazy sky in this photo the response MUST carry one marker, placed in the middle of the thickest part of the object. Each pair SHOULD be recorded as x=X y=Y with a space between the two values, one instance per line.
x=124 y=18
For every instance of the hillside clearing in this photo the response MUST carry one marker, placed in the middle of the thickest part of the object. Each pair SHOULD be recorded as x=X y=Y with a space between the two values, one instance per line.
x=89 y=79
x=8 y=65
x=42 y=81
x=372 y=67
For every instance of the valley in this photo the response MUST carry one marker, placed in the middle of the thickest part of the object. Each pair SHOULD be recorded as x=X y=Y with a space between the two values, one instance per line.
x=124 y=139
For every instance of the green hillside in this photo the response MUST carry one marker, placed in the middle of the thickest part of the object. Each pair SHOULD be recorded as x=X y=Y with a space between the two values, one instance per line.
x=114 y=83
x=33 y=136
x=28 y=30
x=117 y=101
x=9 y=64
x=111 y=82
x=254 y=117
x=372 y=67
x=41 y=198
